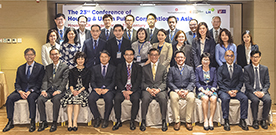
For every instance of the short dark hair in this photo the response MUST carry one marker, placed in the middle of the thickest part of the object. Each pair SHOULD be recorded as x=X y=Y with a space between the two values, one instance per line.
x=118 y=25
x=130 y=16
x=228 y=33
x=193 y=20
x=48 y=35
x=108 y=16
x=151 y=14
x=82 y=16
x=177 y=52
x=79 y=55
x=254 y=52
x=29 y=49
x=59 y=15
x=106 y=52
x=142 y=29
x=53 y=50
x=197 y=30
x=203 y=55
x=95 y=25
x=76 y=40
x=154 y=49
x=129 y=49
x=162 y=30
x=172 y=17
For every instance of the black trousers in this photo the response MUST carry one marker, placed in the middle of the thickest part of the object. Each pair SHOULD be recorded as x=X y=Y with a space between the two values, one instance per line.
x=134 y=99
x=15 y=96
x=255 y=105
x=108 y=99
x=56 y=105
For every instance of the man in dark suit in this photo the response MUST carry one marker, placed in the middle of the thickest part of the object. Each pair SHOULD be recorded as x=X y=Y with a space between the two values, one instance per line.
x=181 y=81
x=93 y=46
x=230 y=81
x=61 y=29
x=117 y=45
x=128 y=80
x=107 y=31
x=152 y=30
x=154 y=87
x=257 y=83
x=214 y=32
x=102 y=83
x=130 y=32
x=27 y=86
x=172 y=21
x=191 y=34
x=83 y=34
x=53 y=87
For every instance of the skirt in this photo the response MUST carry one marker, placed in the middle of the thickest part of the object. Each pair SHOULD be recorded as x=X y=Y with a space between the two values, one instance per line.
x=69 y=98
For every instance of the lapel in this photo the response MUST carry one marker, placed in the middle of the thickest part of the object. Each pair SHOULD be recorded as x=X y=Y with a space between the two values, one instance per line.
x=150 y=72
x=124 y=73
x=252 y=73
x=228 y=73
x=261 y=73
x=33 y=70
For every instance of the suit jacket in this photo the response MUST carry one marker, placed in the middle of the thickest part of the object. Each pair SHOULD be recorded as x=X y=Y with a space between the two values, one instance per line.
x=249 y=75
x=93 y=56
x=212 y=84
x=168 y=37
x=165 y=54
x=211 y=32
x=102 y=35
x=97 y=79
x=185 y=81
x=133 y=34
x=65 y=29
x=112 y=48
x=241 y=58
x=225 y=83
x=160 y=77
x=35 y=80
x=51 y=84
x=136 y=77
x=87 y=34
x=187 y=49
x=209 y=47
x=154 y=38
x=189 y=36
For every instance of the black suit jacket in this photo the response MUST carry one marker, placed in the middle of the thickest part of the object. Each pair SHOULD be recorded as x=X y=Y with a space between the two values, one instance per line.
x=93 y=56
x=102 y=35
x=160 y=77
x=133 y=34
x=225 y=83
x=249 y=75
x=112 y=48
x=241 y=58
x=97 y=80
x=34 y=82
x=211 y=32
x=168 y=37
x=154 y=38
x=136 y=77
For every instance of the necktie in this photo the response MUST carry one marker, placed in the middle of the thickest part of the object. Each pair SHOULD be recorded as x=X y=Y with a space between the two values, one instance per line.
x=128 y=86
x=107 y=34
x=216 y=36
x=153 y=71
x=61 y=34
x=29 y=72
x=230 y=71
x=194 y=35
x=257 y=84
x=54 y=71
x=95 y=44
x=103 y=71
x=119 y=45
x=129 y=36
x=150 y=33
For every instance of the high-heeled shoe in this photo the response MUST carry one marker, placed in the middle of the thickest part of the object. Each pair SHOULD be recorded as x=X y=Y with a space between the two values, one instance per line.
x=211 y=125
x=75 y=128
x=205 y=126
x=70 y=128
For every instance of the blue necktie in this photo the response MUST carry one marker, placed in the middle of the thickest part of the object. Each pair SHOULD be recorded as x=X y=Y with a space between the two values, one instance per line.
x=29 y=72
x=103 y=71
x=107 y=34
x=194 y=35
x=119 y=45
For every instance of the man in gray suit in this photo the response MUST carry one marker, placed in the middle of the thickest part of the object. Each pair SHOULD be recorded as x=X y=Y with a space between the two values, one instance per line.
x=53 y=87
x=130 y=32
x=172 y=21
x=214 y=32
x=154 y=87
x=152 y=30
x=257 y=83
x=192 y=34
x=181 y=81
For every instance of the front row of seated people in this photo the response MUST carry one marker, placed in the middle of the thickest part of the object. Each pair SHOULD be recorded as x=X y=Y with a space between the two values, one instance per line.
x=134 y=82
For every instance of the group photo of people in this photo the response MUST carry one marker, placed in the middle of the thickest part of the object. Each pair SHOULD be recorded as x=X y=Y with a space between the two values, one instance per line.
x=117 y=63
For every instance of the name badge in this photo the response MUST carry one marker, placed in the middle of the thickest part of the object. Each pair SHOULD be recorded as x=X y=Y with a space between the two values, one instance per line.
x=119 y=55
x=138 y=58
x=60 y=42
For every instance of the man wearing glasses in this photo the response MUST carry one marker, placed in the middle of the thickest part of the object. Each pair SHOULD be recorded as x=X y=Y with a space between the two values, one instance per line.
x=152 y=30
x=61 y=29
x=130 y=32
x=192 y=34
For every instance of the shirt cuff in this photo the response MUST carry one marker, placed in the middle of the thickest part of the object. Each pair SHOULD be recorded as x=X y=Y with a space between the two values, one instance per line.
x=200 y=89
x=213 y=89
x=147 y=88
x=123 y=90
x=58 y=91
x=176 y=90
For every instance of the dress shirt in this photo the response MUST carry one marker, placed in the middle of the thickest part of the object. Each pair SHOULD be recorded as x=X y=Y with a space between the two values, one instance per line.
x=118 y=41
x=247 y=53
x=202 y=44
x=56 y=65
x=131 y=35
x=106 y=66
x=109 y=30
x=82 y=37
x=258 y=70
x=155 y=65
x=31 y=68
x=228 y=66
x=214 y=32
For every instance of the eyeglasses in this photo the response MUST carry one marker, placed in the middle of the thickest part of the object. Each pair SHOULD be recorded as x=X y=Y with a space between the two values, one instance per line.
x=180 y=57
x=154 y=55
x=256 y=57
x=128 y=54
x=29 y=55
x=230 y=56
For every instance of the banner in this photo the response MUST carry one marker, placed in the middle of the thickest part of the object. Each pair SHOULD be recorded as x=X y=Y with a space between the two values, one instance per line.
x=184 y=13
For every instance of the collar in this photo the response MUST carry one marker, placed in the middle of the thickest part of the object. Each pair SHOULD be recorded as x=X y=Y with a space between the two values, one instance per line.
x=32 y=65
x=82 y=32
x=153 y=63
x=129 y=29
x=129 y=63
x=56 y=65
x=95 y=39
x=108 y=29
x=105 y=65
x=229 y=65
x=180 y=66
x=258 y=66
x=61 y=29
x=120 y=39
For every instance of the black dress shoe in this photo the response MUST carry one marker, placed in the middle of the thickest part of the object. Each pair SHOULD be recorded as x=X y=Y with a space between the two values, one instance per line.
x=97 y=122
x=53 y=127
x=8 y=126
x=70 y=128
x=132 y=125
x=105 y=124
x=206 y=128
x=255 y=124
x=226 y=125
x=164 y=125
x=143 y=125
x=42 y=126
x=264 y=124
x=243 y=124
x=75 y=128
x=117 y=125
x=32 y=126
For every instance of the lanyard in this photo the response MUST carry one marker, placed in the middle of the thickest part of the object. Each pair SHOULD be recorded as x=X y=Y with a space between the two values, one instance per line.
x=171 y=37
x=129 y=36
x=139 y=48
x=181 y=70
x=160 y=48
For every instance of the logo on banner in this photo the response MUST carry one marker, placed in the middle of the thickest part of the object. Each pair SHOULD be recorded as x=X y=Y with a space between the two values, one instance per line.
x=196 y=11
x=210 y=11
x=176 y=9
x=222 y=11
